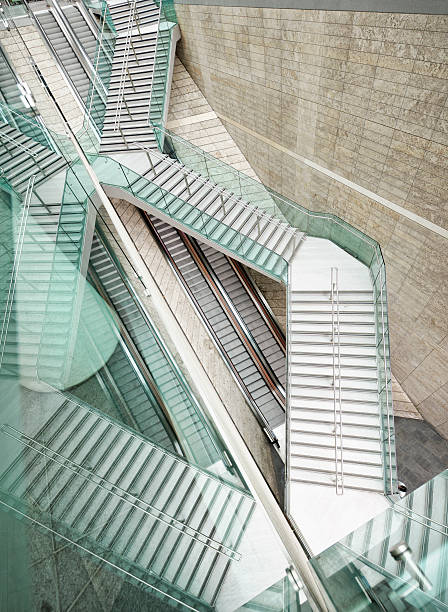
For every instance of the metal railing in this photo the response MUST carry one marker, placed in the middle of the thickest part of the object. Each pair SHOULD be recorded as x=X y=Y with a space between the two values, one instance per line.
x=129 y=498
x=124 y=67
x=353 y=241
x=145 y=316
x=101 y=54
x=154 y=65
x=337 y=383
x=266 y=427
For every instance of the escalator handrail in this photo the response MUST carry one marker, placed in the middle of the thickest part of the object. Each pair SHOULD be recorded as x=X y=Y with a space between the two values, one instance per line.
x=255 y=409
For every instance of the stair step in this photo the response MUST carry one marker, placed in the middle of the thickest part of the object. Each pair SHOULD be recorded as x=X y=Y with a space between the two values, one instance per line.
x=350 y=481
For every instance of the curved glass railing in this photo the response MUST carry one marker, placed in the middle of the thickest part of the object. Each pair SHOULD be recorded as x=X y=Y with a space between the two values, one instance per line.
x=131 y=512
x=73 y=332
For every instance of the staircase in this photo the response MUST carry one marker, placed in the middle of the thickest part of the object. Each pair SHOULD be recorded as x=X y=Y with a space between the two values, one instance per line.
x=127 y=114
x=26 y=323
x=335 y=424
x=222 y=324
x=22 y=157
x=66 y=54
x=9 y=91
x=139 y=408
x=173 y=526
x=270 y=600
x=37 y=339
x=86 y=34
x=420 y=520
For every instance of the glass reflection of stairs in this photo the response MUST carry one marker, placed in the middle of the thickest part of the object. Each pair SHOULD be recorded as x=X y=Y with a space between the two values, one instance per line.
x=187 y=421
x=270 y=600
x=94 y=482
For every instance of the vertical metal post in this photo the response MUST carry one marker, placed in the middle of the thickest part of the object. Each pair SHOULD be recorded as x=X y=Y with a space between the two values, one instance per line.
x=337 y=392
x=187 y=184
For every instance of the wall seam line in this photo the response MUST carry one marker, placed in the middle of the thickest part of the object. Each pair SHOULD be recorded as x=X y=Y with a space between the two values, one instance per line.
x=340 y=179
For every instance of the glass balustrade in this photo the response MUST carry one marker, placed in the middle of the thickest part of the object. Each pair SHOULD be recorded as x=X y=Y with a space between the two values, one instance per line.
x=96 y=104
x=396 y=561
x=114 y=174
x=159 y=94
x=99 y=78
x=78 y=342
x=80 y=489
x=70 y=231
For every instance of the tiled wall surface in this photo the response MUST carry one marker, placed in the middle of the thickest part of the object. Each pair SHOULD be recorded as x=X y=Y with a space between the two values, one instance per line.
x=191 y=117
x=364 y=95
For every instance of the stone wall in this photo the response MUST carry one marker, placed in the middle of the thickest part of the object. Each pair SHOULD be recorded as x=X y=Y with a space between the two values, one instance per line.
x=191 y=117
x=362 y=96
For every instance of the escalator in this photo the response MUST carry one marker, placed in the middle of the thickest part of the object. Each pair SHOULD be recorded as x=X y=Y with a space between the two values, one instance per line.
x=239 y=321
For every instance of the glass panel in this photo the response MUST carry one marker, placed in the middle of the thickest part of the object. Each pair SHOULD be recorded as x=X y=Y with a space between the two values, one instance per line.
x=104 y=53
x=94 y=494
x=157 y=105
x=400 y=557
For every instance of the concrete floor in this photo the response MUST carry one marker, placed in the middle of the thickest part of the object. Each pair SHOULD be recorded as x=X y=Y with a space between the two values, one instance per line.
x=421 y=452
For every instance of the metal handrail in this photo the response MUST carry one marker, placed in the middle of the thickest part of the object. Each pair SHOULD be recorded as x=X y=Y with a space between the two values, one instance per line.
x=124 y=66
x=76 y=45
x=143 y=311
x=154 y=63
x=337 y=394
x=376 y=257
x=99 y=50
x=255 y=409
x=119 y=492
x=18 y=144
x=60 y=536
x=388 y=399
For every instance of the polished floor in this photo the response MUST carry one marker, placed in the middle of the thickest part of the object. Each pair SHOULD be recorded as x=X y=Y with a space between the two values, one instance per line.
x=421 y=452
